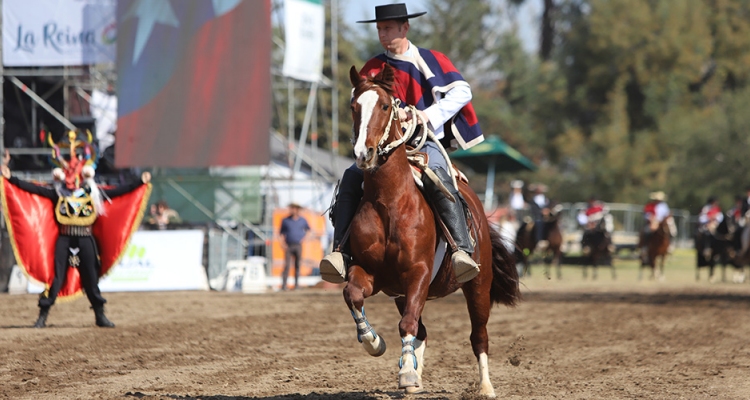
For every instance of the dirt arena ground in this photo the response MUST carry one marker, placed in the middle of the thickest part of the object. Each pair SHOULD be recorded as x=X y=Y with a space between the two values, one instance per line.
x=569 y=339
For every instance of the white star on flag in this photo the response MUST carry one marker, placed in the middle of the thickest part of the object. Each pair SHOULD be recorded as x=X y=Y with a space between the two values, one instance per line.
x=222 y=7
x=149 y=13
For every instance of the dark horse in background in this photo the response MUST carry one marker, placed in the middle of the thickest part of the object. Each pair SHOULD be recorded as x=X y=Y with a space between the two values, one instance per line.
x=526 y=242
x=654 y=248
x=596 y=246
x=717 y=247
x=394 y=237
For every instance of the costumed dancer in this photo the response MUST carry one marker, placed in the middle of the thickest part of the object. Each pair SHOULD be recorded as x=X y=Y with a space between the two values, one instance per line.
x=68 y=235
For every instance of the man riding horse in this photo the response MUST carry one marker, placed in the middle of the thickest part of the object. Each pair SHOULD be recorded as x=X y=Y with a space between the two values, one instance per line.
x=595 y=221
x=654 y=212
x=540 y=212
x=427 y=80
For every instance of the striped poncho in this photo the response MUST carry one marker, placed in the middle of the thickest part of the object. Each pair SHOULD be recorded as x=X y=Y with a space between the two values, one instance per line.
x=422 y=78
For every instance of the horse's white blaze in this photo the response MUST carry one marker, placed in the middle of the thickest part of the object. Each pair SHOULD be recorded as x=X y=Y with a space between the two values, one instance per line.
x=367 y=100
x=485 y=386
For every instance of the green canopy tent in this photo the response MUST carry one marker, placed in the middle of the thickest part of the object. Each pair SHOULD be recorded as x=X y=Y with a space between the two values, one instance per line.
x=492 y=155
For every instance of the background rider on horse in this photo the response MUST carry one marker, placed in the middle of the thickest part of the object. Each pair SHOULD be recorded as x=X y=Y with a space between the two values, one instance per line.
x=594 y=219
x=654 y=212
x=540 y=210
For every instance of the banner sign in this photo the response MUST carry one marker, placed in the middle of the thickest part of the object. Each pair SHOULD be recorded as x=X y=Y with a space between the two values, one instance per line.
x=58 y=32
x=304 y=21
x=194 y=83
x=160 y=260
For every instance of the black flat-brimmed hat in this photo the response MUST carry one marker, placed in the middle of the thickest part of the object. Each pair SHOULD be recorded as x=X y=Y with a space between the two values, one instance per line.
x=392 y=11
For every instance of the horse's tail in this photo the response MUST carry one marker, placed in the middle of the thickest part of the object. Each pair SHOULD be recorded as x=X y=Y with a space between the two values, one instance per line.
x=505 y=285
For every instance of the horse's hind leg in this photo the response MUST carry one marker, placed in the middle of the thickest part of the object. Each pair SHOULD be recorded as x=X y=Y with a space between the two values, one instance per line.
x=479 y=304
x=357 y=289
x=420 y=343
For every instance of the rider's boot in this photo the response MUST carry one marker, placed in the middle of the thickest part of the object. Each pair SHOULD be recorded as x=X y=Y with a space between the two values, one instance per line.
x=333 y=267
x=452 y=214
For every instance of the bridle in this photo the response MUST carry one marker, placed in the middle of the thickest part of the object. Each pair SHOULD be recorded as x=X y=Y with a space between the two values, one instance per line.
x=410 y=128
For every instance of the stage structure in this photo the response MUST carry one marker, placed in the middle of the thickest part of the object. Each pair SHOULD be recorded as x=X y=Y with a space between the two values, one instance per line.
x=51 y=87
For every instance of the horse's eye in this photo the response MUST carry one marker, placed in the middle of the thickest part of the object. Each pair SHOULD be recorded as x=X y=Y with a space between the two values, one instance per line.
x=385 y=107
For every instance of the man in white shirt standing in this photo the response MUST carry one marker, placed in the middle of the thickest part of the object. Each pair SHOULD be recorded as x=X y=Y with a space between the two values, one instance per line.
x=539 y=211
x=427 y=80
x=517 y=202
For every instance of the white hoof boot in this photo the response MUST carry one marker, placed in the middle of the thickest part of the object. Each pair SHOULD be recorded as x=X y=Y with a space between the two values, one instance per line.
x=333 y=268
x=408 y=377
x=419 y=348
x=373 y=344
x=371 y=341
x=464 y=266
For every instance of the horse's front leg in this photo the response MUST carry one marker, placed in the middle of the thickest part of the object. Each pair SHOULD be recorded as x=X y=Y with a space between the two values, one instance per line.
x=420 y=343
x=417 y=283
x=661 y=267
x=357 y=289
x=595 y=268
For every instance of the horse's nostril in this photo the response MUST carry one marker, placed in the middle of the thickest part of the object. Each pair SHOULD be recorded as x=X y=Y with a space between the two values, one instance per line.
x=370 y=152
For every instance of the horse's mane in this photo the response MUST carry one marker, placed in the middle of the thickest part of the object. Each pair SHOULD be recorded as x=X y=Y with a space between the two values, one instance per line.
x=383 y=80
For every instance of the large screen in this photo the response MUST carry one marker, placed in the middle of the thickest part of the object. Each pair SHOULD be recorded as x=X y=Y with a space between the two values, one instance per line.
x=194 y=85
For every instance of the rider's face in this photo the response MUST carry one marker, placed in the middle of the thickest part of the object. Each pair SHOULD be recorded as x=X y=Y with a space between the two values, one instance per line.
x=392 y=35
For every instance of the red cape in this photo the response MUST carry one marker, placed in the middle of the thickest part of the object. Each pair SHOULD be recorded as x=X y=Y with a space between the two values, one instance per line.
x=33 y=231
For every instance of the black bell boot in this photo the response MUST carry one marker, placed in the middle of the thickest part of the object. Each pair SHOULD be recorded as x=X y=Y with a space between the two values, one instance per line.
x=101 y=319
x=41 y=322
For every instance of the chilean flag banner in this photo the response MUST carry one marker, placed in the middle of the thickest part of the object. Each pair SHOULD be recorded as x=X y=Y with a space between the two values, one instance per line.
x=194 y=83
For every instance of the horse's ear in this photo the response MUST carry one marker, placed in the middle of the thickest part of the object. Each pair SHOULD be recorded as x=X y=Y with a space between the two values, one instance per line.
x=386 y=75
x=354 y=77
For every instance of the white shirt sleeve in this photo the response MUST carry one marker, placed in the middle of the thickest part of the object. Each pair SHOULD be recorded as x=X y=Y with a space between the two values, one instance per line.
x=661 y=211
x=582 y=218
x=703 y=216
x=449 y=105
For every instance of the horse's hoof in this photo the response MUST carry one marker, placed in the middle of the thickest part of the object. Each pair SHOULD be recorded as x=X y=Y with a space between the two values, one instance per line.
x=408 y=379
x=415 y=389
x=490 y=394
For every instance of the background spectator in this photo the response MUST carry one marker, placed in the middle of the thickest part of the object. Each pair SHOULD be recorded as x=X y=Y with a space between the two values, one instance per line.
x=293 y=230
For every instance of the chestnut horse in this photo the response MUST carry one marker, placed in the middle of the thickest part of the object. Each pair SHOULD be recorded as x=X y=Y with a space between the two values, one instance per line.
x=657 y=247
x=596 y=247
x=526 y=243
x=394 y=237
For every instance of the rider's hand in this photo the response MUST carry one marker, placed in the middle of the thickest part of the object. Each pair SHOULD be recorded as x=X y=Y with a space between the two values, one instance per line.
x=146 y=177
x=403 y=115
x=6 y=171
x=406 y=115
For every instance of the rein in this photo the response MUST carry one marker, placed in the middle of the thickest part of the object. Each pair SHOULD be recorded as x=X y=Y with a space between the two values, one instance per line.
x=409 y=128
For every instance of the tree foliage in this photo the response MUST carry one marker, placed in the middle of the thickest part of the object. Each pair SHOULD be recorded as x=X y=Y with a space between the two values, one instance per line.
x=631 y=96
